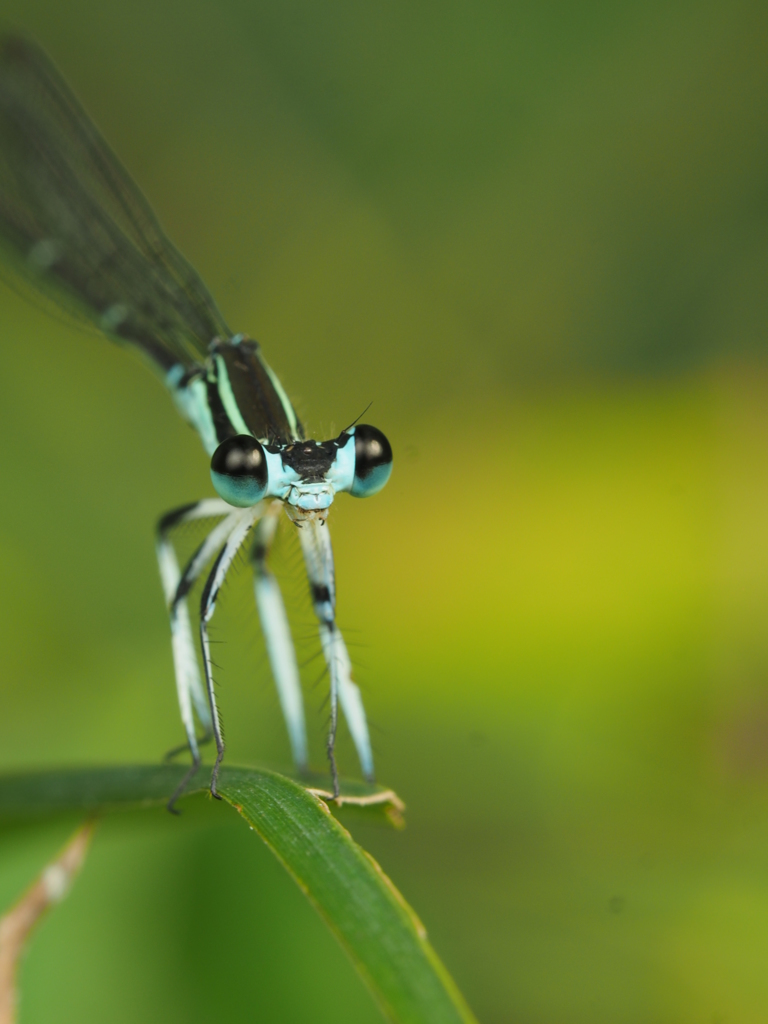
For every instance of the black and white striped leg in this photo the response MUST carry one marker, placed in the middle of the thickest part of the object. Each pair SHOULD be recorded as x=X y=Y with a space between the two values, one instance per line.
x=318 y=557
x=176 y=585
x=243 y=521
x=277 y=635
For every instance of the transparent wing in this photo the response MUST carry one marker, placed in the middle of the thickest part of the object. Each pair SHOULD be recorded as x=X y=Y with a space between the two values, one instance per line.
x=74 y=224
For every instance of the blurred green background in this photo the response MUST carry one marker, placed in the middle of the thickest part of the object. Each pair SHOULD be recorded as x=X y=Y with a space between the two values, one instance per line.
x=535 y=235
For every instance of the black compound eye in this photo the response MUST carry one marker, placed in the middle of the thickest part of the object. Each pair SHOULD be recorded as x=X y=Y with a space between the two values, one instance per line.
x=373 y=461
x=239 y=471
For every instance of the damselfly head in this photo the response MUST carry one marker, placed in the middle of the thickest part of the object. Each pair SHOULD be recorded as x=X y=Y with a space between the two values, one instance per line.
x=305 y=474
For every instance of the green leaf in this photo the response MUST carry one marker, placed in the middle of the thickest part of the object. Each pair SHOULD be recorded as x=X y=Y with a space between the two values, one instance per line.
x=382 y=935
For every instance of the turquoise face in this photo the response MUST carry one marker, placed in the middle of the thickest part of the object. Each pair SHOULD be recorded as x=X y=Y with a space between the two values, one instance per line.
x=305 y=474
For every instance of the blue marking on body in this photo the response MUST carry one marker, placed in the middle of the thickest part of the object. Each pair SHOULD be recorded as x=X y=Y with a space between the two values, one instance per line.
x=192 y=402
x=228 y=399
x=341 y=475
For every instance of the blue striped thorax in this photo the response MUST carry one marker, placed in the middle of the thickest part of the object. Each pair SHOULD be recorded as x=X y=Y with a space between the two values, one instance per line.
x=250 y=429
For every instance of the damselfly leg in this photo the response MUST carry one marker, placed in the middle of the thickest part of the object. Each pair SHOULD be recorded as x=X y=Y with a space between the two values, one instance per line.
x=277 y=635
x=176 y=586
x=188 y=683
x=244 y=520
x=318 y=557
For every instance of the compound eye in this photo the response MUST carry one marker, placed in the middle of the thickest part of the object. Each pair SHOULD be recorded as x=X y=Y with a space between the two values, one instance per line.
x=239 y=471
x=373 y=461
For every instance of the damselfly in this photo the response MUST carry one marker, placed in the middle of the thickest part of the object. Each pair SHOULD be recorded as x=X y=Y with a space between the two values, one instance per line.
x=74 y=224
